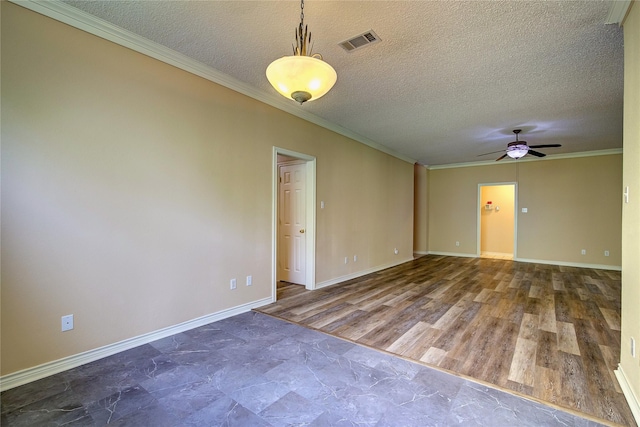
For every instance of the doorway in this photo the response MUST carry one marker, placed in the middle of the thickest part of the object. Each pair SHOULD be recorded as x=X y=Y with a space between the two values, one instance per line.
x=291 y=221
x=497 y=221
x=293 y=239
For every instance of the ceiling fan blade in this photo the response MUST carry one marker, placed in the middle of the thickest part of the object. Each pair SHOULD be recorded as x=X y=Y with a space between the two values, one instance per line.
x=535 y=153
x=493 y=152
x=545 y=146
x=501 y=157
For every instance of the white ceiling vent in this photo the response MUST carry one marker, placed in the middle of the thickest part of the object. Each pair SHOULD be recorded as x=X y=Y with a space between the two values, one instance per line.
x=360 y=41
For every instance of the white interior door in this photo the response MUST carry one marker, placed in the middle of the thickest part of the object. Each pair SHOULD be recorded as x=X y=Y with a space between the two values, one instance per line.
x=292 y=224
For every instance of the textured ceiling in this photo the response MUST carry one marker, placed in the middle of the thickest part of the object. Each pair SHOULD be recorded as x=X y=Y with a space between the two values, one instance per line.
x=448 y=81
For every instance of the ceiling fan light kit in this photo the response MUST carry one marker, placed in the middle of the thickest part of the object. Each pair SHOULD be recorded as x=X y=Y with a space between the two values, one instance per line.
x=302 y=76
x=518 y=149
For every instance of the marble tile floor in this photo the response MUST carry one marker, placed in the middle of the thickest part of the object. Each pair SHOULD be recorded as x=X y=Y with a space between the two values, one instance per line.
x=255 y=370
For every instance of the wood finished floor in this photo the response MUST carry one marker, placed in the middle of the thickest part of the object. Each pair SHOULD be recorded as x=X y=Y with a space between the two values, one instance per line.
x=545 y=331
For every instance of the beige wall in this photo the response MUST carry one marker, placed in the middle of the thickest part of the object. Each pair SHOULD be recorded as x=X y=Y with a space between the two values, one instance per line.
x=497 y=223
x=132 y=192
x=573 y=204
x=453 y=202
x=420 y=216
x=631 y=210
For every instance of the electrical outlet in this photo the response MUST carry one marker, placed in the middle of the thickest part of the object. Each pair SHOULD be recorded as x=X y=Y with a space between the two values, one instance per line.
x=583 y=252
x=606 y=253
x=457 y=243
x=395 y=251
x=249 y=280
x=67 y=322
x=233 y=284
x=346 y=260
x=355 y=258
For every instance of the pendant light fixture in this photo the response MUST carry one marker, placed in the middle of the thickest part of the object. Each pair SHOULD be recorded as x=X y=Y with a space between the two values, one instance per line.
x=302 y=76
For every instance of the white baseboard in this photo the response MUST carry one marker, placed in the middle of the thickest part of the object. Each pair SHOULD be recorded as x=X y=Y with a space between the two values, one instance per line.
x=571 y=264
x=359 y=274
x=28 y=375
x=538 y=261
x=632 y=400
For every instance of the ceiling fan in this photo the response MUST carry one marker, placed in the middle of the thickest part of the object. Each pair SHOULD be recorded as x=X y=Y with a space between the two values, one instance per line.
x=517 y=149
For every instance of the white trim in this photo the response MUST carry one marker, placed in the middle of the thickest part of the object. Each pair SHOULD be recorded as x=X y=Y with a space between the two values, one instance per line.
x=81 y=20
x=28 y=375
x=310 y=253
x=627 y=391
x=618 y=11
x=516 y=196
x=421 y=252
x=537 y=261
x=359 y=274
x=570 y=264
x=608 y=152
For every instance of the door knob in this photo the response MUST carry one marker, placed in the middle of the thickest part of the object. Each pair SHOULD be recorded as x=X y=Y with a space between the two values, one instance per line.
x=302 y=231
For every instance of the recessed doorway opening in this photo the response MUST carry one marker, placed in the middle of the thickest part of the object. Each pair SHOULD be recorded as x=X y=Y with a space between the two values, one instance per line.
x=497 y=221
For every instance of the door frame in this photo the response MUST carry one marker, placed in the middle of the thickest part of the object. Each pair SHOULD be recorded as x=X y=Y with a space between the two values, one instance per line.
x=310 y=226
x=479 y=214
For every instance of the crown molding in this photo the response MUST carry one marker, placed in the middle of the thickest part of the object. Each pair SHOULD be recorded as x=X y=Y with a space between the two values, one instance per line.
x=618 y=11
x=81 y=20
x=608 y=152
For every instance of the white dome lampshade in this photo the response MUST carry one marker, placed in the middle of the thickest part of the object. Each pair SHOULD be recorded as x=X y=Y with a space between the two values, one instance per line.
x=517 y=151
x=303 y=78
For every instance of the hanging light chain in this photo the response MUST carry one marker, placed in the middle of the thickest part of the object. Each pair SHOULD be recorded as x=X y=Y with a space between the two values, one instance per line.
x=301 y=35
x=303 y=45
